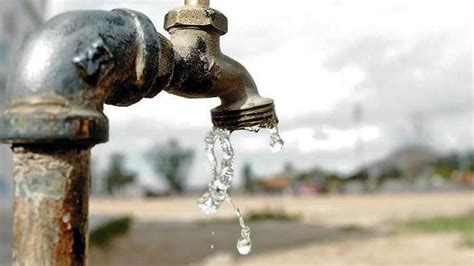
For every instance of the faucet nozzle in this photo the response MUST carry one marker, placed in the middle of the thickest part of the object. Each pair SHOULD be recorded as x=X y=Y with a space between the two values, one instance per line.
x=260 y=116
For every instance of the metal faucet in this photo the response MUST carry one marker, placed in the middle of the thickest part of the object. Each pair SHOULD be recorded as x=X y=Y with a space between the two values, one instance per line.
x=203 y=71
x=54 y=115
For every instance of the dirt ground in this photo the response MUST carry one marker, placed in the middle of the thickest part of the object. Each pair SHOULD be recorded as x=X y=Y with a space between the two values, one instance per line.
x=333 y=230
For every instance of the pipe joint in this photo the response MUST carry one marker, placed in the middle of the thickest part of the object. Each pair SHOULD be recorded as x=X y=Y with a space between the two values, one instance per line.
x=73 y=65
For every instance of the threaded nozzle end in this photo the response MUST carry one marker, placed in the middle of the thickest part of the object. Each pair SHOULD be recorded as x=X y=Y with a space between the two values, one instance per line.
x=261 y=116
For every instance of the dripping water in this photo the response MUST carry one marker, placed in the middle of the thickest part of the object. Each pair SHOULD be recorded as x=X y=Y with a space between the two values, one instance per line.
x=276 y=142
x=212 y=245
x=222 y=179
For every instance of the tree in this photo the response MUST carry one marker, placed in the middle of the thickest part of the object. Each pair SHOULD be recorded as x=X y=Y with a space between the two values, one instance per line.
x=173 y=163
x=333 y=183
x=117 y=176
x=249 y=178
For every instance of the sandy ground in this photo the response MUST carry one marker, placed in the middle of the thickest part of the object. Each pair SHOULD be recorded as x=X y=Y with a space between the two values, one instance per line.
x=174 y=232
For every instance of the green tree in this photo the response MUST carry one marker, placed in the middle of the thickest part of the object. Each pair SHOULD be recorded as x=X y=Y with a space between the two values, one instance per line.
x=117 y=176
x=332 y=183
x=249 y=178
x=173 y=163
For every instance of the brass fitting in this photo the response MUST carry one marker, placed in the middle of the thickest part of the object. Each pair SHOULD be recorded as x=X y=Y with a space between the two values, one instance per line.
x=199 y=15
x=201 y=70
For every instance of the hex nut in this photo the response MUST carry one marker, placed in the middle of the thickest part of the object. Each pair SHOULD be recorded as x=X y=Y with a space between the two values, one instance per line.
x=196 y=16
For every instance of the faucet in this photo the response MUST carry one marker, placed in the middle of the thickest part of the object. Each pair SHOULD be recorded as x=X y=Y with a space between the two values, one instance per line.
x=73 y=65
x=203 y=71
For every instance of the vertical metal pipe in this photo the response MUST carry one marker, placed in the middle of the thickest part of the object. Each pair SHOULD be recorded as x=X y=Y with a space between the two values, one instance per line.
x=50 y=214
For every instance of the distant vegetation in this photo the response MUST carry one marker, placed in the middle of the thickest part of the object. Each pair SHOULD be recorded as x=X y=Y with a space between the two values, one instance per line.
x=266 y=214
x=172 y=162
x=373 y=176
x=117 y=177
x=445 y=166
x=271 y=214
x=250 y=184
x=352 y=228
x=408 y=168
x=105 y=233
x=462 y=224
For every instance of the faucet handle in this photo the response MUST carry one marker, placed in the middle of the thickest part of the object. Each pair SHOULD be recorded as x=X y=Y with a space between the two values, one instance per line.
x=205 y=3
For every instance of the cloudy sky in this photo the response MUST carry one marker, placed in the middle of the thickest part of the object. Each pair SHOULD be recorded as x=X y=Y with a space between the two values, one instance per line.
x=405 y=64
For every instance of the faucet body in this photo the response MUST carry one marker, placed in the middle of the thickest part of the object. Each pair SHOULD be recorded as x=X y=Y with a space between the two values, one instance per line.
x=203 y=71
x=67 y=71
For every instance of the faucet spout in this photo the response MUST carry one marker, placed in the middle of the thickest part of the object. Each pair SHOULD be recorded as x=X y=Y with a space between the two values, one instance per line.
x=203 y=71
x=241 y=107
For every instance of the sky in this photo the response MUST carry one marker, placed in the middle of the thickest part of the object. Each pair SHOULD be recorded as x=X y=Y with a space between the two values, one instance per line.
x=406 y=66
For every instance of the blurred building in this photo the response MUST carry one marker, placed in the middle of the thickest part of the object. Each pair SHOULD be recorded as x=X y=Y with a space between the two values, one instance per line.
x=18 y=18
x=278 y=185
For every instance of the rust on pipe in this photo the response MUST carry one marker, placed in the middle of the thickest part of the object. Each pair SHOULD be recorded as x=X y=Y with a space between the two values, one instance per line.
x=53 y=116
x=51 y=205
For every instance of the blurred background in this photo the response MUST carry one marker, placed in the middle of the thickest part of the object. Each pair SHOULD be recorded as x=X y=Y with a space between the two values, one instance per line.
x=375 y=100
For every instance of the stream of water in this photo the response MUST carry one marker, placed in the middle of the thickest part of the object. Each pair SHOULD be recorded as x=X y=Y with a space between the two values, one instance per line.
x=222 y=179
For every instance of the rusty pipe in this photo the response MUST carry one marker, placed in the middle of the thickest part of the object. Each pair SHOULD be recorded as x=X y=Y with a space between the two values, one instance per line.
x=73 y=65
x=51 y=205
x=54 y=115
x=202 y=71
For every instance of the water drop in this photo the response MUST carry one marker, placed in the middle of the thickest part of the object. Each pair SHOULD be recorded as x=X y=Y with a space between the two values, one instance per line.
x=206 y=204
x=219 y=195
x=276 y=142
x=244 y=245
x=221 y=183
x=212 y=246
x=253 y=129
